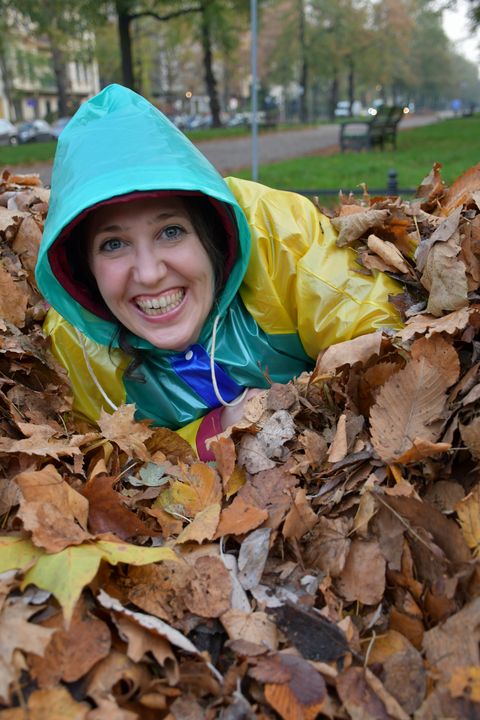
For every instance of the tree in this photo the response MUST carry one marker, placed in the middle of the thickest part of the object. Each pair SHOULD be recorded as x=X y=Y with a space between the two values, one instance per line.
x=61 y=24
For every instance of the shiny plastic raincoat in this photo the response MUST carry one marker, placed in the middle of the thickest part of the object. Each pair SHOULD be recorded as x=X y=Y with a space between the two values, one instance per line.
x=290 y=291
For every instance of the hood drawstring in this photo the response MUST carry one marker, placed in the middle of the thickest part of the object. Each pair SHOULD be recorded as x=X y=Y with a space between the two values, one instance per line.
x=223 y=402
x=102 y=392
x=95 y=380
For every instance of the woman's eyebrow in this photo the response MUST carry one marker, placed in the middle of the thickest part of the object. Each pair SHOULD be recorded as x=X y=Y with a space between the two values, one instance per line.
x=112 y=228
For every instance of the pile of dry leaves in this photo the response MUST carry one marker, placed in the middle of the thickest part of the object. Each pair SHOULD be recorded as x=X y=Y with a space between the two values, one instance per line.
x=325 y=566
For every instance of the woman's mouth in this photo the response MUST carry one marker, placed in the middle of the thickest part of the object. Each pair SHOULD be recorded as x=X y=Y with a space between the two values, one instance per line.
x=162 y=304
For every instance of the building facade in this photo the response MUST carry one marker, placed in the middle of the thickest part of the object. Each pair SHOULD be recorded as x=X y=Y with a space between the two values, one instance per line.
x=29 y=84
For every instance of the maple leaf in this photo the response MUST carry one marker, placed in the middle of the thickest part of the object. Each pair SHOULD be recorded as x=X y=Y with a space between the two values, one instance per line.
x=121 y=428
x=54 y=512
x=66 y=573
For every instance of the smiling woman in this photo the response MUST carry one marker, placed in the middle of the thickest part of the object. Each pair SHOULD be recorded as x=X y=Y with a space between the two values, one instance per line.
x=151 y=269
x=177 y=290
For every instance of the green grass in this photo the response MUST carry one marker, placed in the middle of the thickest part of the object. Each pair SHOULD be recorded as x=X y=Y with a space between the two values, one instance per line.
x=455 y=143
x=27 y=154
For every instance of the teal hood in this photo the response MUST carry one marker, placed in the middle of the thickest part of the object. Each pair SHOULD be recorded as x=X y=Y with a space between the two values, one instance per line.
x=118 y=144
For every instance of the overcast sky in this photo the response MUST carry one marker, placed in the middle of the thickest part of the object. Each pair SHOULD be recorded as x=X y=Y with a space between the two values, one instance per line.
x=456 y=27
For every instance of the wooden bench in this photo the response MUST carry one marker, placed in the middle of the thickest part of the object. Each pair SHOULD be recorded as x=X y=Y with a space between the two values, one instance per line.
x=377 y=132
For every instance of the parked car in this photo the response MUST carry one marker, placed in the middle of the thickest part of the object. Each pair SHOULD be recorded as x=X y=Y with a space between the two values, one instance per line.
x=59 y=125
x=35 y=131
x=8 y=133
x=343 y=108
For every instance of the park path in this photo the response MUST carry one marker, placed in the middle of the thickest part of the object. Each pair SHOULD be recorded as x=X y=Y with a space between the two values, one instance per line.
x=229 y=155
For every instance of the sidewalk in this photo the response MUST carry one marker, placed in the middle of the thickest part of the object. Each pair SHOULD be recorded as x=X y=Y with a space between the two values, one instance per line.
x=232 y=154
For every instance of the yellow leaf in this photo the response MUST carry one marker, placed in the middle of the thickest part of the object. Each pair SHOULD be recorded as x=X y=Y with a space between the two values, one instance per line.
x=203 y=527
x=17 y=553
x=115 y=552
x=66 y=573
x=199 y=488
x=465 y=682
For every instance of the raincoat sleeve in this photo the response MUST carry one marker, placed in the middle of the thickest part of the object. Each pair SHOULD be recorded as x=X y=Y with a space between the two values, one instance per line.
x=299 y=281
x=100 y=386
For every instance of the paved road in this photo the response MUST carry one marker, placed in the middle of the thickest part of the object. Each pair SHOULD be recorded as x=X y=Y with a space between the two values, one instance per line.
x=232 y=154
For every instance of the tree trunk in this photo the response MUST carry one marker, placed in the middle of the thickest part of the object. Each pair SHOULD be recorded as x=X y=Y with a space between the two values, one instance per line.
x=304 y=66
x=210 y=82
x=60 y=72
x=124 y=21
x=332 y=104
x=351 y=82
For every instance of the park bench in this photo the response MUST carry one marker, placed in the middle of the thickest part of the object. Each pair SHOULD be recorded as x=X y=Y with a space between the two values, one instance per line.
x=377 y=132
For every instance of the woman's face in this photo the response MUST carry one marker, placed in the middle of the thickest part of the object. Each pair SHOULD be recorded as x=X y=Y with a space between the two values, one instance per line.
x=152 y=269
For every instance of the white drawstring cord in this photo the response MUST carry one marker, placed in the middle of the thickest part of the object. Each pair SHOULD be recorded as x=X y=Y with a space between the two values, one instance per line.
x=212 y=372
x=92 y=374
x=223 y=402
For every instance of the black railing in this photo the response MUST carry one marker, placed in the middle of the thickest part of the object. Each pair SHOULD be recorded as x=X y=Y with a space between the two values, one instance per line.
x=392 y=188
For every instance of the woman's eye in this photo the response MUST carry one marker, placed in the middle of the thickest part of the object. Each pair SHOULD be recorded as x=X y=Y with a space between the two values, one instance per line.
x=111 y=245
x=172 y=232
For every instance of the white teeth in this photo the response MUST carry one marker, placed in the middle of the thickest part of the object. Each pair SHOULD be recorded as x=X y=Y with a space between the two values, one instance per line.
x=164 y=304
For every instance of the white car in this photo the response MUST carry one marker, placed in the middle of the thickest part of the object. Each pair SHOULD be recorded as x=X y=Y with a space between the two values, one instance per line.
x=343 y=108
x=8 y=133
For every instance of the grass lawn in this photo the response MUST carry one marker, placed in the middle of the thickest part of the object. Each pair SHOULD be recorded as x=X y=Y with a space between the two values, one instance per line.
x=27 y=154
x=454 y=142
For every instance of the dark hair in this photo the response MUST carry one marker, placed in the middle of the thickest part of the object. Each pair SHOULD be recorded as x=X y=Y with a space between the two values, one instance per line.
x=211 y=233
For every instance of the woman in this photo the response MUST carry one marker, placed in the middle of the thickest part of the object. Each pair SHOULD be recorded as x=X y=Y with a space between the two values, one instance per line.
x=177 y=290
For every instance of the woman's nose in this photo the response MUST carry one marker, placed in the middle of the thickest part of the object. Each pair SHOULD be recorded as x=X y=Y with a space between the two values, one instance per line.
x=149 y=266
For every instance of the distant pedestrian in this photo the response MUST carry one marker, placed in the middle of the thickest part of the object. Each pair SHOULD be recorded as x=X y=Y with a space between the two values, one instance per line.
x=456 y=106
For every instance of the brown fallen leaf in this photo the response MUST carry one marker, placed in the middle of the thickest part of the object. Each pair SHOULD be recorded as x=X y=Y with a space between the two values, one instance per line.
x=239 y=518
x=389 y=253
x=71 y=653
x=349 y=352
x=363 y=576
x=329 y=545
x=441 y=354
x=352 y=227
x=121 y=428
x=17 y=633
x=455 y=643
x=51 y=510
x=209 y=587
x=409 y=407
x=53 y=703
x=255 y=627
x=364 y=696
x=199 y=488
x=107 y=512
x=468 y=512
x=429 y=325
x=203 y=526
x=300 y=518
x=404 y=675
x=292 y=687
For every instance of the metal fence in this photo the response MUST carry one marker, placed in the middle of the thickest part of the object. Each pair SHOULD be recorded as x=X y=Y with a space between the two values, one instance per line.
x=392 y=188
